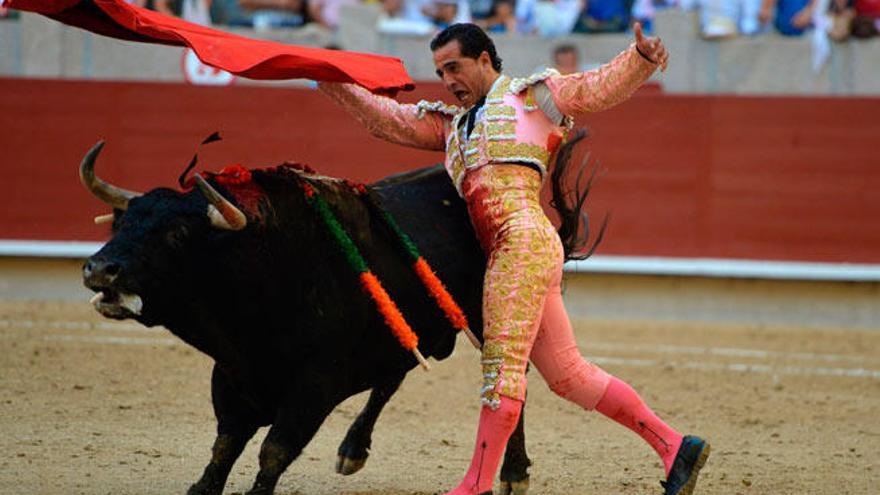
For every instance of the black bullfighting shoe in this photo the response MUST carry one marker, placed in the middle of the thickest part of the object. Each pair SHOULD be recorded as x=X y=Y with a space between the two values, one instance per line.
x=686 y=467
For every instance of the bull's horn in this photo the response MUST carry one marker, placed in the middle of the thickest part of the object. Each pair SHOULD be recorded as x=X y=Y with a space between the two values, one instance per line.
x=114 y=196
x=223 y=214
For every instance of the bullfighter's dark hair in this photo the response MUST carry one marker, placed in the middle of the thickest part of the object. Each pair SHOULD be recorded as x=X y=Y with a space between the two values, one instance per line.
x=574 y=229
x=472 y=39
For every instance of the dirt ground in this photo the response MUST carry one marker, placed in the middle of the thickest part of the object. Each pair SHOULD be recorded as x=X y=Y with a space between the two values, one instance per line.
x=93 y=406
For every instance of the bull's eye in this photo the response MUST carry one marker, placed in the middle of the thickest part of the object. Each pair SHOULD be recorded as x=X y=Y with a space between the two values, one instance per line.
x=177 y=236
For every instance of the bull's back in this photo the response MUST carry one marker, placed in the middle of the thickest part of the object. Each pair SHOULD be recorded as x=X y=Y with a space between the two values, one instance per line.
x=427 y=207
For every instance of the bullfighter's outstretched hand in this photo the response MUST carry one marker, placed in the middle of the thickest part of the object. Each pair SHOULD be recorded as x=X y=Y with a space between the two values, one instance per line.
x=651 y=47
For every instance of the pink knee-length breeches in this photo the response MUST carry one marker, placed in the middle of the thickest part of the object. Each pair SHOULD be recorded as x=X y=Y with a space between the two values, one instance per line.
x=523 y=314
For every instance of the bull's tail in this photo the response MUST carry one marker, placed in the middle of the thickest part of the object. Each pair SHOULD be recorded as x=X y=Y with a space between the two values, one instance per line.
x=574 y=229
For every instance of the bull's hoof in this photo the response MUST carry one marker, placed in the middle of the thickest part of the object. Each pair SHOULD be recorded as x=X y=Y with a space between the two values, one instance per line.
x=346 y=466
x=204 y=488
x=514 y=487
x=261 y=490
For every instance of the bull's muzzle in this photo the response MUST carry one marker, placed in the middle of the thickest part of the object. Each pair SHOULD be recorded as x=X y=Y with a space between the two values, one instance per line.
x=99 y=272
x=102 y=275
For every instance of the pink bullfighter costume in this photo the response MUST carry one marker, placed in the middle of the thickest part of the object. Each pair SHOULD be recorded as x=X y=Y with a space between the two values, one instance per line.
x=498 y=169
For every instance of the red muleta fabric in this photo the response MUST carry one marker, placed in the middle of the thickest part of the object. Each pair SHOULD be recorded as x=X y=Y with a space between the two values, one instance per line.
x=246 y=57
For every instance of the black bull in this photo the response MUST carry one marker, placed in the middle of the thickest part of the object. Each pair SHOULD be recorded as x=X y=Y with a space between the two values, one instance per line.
x=282 y=314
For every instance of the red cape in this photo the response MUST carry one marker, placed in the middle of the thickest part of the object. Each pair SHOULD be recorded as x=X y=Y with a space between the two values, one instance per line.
x=250 y=58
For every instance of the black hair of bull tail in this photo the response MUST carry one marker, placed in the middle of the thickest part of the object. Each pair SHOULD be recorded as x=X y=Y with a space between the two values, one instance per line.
x=574 y=228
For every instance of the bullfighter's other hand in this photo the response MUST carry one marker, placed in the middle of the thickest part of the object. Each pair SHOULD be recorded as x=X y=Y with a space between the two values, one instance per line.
x=651 y=47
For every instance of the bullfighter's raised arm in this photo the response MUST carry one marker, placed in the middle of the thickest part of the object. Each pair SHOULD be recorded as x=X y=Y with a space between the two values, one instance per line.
x=611 y=84
x=400 y=123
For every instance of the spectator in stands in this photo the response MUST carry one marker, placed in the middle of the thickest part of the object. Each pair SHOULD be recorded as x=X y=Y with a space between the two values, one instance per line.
x=728 y=18
x=167 y=7
x=717 y=19
x=841 y=13
x=445 y=13
x=643 y=12
x=195 y=11
x=866 y=23
x=403 y=17
x=749 y=17
x=792 y=17
x=421 y=10
x=267 y=14
x=481 y=9
x=604 y=16
x=230 y=13
x=326 y=12
x=259 y=14
x=548 y=18
x=502 y=19
x=392 y=8
x=566 y=59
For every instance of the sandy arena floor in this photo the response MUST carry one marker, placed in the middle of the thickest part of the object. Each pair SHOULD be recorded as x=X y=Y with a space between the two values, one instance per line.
x=94 y=406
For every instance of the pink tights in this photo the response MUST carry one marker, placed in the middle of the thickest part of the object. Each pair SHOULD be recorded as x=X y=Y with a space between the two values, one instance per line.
x=494 y=430
x=569 y=375
x=555 y=353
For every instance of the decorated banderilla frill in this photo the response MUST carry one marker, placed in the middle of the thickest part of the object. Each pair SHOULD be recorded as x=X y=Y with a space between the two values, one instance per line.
x=369 y=282
x=429 y=279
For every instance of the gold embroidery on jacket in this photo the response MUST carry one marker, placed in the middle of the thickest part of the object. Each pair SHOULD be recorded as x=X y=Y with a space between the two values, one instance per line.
x=497 y=94
x=424 y=106
x=513 y=151
x=457 y=161
x=494 y=137
x=530 y=105
x=520 y=83
x=500 y=112
x=500 y=128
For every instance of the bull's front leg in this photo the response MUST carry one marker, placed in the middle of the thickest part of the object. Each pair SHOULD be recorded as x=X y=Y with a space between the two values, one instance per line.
x=354 y=449
x=236 y=424
x=227 y=448
x=515 y=470
x=296 y=423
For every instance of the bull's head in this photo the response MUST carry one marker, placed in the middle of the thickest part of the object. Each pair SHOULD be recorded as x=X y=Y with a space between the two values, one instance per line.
x=155 y=234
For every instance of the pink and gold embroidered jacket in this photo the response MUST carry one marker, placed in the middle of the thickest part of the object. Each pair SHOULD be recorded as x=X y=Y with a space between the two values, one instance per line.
x=512 y=127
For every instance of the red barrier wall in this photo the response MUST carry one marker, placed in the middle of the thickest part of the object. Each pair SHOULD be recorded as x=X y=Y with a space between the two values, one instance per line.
x=694 y=176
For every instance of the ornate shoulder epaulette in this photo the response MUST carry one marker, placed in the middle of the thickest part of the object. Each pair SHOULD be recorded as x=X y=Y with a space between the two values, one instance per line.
x=437 y=106
x=520 y=83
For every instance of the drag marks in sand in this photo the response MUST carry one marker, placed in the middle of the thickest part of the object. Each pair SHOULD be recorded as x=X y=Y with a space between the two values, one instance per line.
x=714 y=359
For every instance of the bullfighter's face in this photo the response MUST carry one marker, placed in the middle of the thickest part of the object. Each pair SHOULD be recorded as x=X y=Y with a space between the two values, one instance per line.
x=468 y=79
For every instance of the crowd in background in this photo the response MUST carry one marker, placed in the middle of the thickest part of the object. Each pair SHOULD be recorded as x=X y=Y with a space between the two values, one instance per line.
x=549 y=18
x=718 y=18
x=840 y=18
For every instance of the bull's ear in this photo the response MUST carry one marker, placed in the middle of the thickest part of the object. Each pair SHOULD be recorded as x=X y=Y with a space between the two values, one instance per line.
x=223 y=214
